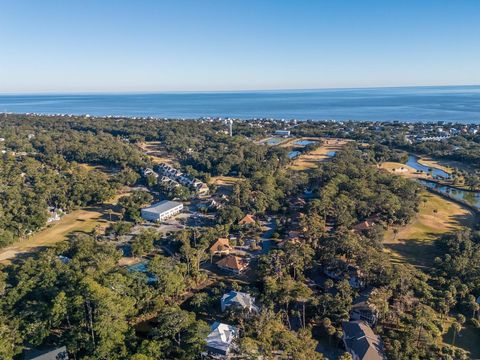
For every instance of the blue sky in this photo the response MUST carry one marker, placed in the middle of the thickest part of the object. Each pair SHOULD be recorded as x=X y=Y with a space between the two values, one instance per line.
x=204 y=45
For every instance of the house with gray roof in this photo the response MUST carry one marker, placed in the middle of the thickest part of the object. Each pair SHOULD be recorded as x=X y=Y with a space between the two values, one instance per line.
x=220 y=341
x=46 y=354
x=363 y=310
x=361 y=342
x=239 y=300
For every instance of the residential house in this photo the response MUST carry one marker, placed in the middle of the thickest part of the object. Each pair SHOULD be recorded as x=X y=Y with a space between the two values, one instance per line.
x=340 y=270
x=247 y=220
x=221 y=246
x=46 y=354
x=361 y=342
x=363 y=310
x=220 y=341
x=238 y=300
x=150 y=172
x=233 y=263
x=367 y=224
x=298 y=203
x=184 y=179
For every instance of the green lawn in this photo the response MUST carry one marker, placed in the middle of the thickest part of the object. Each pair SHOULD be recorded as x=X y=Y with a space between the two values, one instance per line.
x=437 y=216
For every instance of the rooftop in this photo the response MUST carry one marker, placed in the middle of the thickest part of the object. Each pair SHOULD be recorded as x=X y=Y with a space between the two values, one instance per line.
x=221 y=337
x=232 y=262
x=48 y=354
x=222 y=244
x=360 y=338
x=162 y=206
x=237 y=298
x=248 y=219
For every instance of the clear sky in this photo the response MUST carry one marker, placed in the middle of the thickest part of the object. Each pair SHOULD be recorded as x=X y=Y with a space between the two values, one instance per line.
x=180 y=45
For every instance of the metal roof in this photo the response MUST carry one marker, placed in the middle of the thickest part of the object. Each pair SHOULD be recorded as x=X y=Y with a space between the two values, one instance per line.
x=162 y=206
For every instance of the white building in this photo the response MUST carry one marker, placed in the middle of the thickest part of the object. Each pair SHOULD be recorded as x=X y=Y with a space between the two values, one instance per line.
x=161 y=210
x=282 y=132
x=220 y=340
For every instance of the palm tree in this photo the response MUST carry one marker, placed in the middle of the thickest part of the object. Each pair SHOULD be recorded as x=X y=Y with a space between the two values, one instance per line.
x=110 y=212
x=395 y=233
x=456 y=329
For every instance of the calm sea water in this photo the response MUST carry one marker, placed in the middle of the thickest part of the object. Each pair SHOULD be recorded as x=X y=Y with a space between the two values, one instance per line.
x=453 y=103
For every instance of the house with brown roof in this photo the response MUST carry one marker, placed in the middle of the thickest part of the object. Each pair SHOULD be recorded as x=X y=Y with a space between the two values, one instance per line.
x=364 y=225
x=367 y=224
x=233 y=263
x=247 y=220
x=221 y=246
x=298 y=203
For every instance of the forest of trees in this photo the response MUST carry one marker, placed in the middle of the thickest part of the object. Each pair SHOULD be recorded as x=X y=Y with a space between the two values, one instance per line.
x=76 y=294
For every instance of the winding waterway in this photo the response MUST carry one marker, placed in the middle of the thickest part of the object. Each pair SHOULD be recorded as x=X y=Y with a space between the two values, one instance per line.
x=470 y=197
x=436 y=173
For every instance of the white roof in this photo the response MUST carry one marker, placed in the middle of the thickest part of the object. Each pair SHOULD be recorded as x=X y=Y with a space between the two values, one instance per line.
x=162 y=206
x=221 y=336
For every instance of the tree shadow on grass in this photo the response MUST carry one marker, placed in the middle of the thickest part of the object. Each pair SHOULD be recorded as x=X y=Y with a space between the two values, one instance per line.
x=422 y=253
x=467 y=339
x=419 y=253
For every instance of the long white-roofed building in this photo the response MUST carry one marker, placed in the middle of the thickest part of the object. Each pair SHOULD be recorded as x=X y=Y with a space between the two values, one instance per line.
x=162 y=210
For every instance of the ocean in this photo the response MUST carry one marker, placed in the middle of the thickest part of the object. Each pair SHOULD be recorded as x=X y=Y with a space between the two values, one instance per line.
x=446 y=103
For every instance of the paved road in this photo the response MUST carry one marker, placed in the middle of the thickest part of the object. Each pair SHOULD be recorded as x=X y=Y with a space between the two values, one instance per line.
x=266 y=238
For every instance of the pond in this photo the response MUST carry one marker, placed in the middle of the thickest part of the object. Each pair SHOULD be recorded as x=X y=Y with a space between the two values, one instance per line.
x=274 y=141
x=331 y=153
x=436 y=173
x=305 y=142
x=470 y=197
x=140 y=267
x=293 y=154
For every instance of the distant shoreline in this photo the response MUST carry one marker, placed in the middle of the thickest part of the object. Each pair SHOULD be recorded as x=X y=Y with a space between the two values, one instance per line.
x=231 y=91
x=211 y=118
x=457 y=104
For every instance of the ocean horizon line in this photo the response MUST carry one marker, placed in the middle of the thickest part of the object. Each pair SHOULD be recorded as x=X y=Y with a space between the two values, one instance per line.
x=293 y=90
